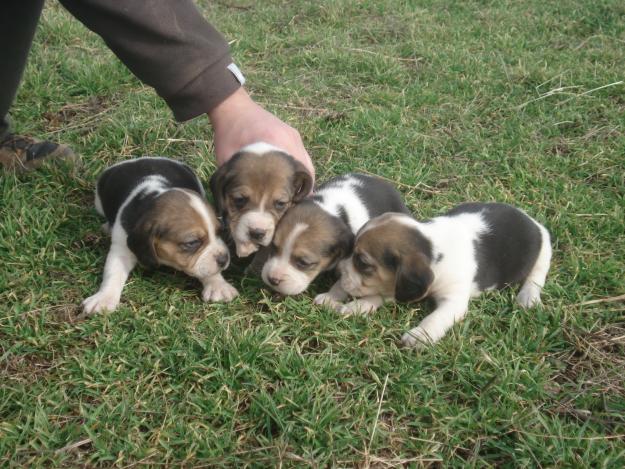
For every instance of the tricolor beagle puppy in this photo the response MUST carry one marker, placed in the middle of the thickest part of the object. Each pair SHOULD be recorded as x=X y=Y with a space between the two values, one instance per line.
x=254 y=189
x=473 y=248
x=314 y=235
x=157 y=214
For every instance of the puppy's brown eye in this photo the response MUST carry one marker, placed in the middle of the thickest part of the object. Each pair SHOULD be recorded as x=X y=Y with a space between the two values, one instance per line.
x=240 y=201
x=191 y=245
x=280 y=204
x=361 y=265
x=302 y=263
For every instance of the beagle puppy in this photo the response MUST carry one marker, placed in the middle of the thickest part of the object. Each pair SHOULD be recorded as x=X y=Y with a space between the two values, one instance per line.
x=254 y=189
x=473 y=248
x=316 y=234
x=157 y=214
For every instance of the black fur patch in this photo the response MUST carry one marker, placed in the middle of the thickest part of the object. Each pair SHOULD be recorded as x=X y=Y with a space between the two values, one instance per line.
x=344 y=243
x=379 y=196
x=508 y=251
x=423 y=244
x=141 y=203
x=343 y=215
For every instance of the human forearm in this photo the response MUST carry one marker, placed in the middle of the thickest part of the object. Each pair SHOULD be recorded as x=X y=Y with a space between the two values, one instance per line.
x=168 y=45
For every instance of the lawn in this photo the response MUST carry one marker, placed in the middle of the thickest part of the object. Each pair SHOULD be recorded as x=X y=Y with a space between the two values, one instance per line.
x=519 y=102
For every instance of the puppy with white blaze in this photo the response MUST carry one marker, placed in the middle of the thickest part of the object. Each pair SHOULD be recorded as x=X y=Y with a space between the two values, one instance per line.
x=473 y=248
x=157 y=215
x=318 y=233
x=254 y=189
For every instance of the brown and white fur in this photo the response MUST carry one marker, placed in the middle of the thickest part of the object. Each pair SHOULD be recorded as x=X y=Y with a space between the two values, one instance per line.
x=318 y=233
x=254 y=189
x=473 y=248
x=157 y=215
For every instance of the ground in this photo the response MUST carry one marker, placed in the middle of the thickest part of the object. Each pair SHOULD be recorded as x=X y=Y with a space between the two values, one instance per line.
x=519 y=102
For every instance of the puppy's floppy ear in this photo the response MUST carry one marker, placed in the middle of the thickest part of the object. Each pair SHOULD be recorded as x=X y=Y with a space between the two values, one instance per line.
x=343 y=246
x=302 y=182
x=413 y=279
x=141 y=240
x=218 y=184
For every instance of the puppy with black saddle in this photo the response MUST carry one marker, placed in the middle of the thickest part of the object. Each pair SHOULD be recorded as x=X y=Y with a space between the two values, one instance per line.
x=473 y=248
x=157 y=214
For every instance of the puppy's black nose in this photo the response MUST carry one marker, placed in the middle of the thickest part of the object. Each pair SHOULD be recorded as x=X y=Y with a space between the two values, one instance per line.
x=257 y=234
x=274 y=281
x=222 y=259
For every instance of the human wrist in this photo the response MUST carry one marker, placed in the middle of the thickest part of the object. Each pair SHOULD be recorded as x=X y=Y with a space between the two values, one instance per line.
x=229 y=108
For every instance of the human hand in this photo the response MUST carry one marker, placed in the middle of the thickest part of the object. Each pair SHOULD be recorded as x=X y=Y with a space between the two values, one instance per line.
x=239 y=121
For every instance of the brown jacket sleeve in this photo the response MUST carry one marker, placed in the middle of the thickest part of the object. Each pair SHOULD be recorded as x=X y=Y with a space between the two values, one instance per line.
x=168 y=45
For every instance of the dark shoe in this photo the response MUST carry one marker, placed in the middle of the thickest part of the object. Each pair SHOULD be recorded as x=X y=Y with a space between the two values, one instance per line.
x=20 y=153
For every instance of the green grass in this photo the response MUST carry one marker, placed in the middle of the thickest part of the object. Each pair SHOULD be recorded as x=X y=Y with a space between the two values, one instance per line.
x=454 y=101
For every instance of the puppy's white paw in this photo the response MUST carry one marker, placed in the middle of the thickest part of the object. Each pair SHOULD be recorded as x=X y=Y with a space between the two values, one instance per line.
x=101 y=301
x=327 y=299
x=357 y=307
x=529 y=296
x=219 y=291
x=416 y=338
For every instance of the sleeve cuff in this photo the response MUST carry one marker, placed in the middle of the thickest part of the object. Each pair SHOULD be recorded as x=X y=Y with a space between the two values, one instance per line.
x=207 y=90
